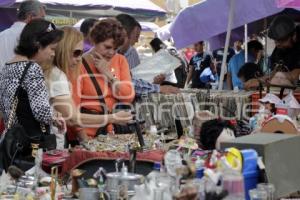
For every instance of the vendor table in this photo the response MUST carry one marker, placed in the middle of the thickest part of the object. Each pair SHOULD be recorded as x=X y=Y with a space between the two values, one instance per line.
x=161 y=109
x=81 y=157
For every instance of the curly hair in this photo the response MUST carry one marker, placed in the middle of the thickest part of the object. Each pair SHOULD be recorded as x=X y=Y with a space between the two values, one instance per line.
x=108 y=29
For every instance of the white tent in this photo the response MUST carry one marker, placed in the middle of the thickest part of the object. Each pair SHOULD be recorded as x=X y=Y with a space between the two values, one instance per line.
x=141 y=9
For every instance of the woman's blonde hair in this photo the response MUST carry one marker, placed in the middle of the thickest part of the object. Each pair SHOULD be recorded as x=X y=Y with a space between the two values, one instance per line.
x=64 y=51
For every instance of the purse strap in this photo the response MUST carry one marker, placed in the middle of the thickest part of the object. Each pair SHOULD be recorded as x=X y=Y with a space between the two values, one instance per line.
x=15 y=98
x=95 y=83
x=97 y=87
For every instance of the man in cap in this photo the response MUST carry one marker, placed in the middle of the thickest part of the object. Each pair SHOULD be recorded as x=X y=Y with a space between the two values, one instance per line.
x=286 y=36
x=287 y=40
x=28 y=10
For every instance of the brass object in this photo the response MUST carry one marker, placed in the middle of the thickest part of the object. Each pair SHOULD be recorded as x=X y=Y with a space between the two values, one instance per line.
x=35 y=148
x=116 y=142
x=123 y=192
x=54 y=176
x=188 y=171
x=91 y=182
x=75 y=174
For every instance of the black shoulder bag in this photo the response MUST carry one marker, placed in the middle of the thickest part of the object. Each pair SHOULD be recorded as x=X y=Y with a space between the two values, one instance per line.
x=118 y=129
x=16 y=143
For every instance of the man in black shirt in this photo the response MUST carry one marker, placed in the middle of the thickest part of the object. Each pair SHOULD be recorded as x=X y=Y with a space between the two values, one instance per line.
x=286 y=36
x=197 y=64
x=287 y=39
x=218 y=56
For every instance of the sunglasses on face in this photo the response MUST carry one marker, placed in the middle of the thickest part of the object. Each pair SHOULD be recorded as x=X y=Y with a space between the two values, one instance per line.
x=77 y=53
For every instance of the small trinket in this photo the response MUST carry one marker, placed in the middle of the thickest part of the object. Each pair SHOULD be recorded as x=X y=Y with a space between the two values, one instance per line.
x=35 y=148
x=123 y=192
x=53 y=184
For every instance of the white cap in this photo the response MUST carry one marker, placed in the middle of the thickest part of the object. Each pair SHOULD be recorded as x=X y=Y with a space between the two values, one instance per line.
x=271 y=98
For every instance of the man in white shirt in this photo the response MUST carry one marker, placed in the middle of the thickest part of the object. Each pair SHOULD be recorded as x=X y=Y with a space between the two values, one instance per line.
x=28 y=10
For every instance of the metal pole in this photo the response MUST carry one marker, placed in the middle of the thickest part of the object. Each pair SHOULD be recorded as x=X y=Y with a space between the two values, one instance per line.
x=246 y=42
x=229 y=26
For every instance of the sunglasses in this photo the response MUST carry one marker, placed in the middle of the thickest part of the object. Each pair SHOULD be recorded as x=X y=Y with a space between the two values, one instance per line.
x=51 y=27
x=77 y=53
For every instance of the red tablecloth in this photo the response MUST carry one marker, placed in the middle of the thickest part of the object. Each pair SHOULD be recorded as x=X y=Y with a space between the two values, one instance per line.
x=79 y=156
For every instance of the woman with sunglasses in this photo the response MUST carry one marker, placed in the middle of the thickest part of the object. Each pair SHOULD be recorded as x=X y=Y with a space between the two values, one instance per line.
x=106 y=80
x=36 y=46
x=67 y=63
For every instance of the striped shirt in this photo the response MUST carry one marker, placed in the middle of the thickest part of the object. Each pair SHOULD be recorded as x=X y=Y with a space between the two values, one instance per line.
x=143 y=87
x=132 y=57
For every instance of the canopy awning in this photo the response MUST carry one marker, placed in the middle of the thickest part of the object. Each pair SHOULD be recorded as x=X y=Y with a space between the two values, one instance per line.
x=146 y=26
x=140 y=6
x=209 y=18
x=6 y=3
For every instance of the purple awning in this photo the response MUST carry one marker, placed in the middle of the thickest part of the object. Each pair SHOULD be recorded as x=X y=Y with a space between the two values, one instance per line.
x=6 y=3
x=209 y=18
x=146 y=26
x=136 y=5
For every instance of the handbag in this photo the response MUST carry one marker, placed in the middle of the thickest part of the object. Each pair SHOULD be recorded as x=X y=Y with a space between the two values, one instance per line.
x=118 y=129
x=16 y=144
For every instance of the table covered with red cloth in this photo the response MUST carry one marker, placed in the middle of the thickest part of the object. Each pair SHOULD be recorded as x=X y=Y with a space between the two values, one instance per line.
x=79 y=156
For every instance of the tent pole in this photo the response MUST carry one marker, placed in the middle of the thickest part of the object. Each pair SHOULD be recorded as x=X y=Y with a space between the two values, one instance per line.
x=229 y=26
x=246 y=42
x=266 y=64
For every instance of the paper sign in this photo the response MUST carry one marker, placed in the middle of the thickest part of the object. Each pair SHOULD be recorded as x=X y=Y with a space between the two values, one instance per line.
x=160 y=63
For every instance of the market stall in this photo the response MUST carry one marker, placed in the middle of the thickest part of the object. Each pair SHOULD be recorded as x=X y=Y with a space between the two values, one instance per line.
x=143 y=9
x=105 y=152
x=174 y=143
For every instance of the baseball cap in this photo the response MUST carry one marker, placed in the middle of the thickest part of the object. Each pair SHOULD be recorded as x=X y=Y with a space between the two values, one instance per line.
x=281 y=27
x=270 y=98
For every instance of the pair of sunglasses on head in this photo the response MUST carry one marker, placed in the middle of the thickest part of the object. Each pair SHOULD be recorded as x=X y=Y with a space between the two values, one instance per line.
x=76 y=53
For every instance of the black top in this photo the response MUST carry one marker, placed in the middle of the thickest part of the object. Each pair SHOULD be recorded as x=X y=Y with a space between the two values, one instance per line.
x=199 y=62
x=218 y=55
x=290 y=57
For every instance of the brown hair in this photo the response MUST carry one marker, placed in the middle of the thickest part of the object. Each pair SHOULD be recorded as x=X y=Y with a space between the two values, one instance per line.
x=64 y=49
x=108 y=29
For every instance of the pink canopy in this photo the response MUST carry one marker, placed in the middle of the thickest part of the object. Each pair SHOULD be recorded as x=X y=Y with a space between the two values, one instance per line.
x=288 y=3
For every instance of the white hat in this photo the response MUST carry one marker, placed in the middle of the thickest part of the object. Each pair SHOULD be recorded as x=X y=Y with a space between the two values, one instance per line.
x=271 y=98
